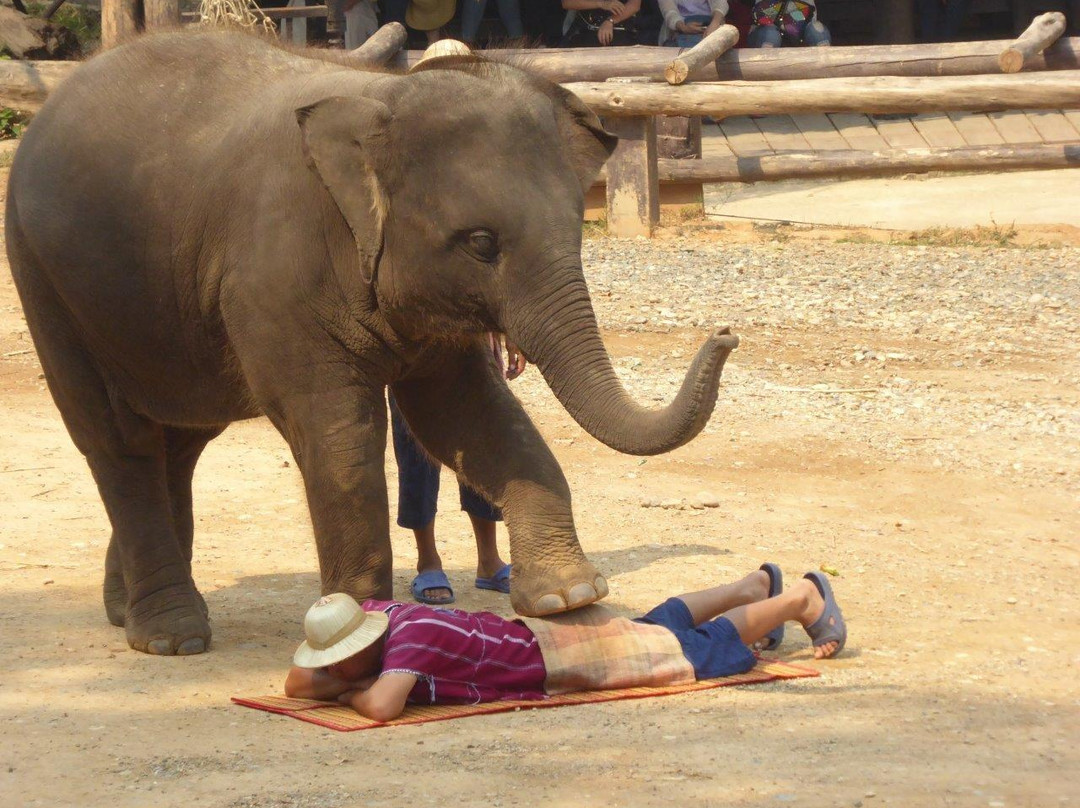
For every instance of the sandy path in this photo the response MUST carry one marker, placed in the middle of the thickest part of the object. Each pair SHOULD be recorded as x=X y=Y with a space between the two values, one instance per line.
x=957 y=547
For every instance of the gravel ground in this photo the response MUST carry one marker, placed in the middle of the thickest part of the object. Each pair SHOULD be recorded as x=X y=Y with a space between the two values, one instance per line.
x=909 y=416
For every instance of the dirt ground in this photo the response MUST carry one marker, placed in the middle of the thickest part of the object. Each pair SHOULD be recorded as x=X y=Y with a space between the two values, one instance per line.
x=936 y=468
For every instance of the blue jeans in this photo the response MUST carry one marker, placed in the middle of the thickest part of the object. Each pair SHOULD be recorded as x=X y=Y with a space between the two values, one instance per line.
x=472 y=11
x=689 y=40
x=767 y=36
x=418 y=481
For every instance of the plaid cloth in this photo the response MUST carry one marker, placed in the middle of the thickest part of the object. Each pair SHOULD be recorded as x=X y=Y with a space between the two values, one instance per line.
x=593 y=649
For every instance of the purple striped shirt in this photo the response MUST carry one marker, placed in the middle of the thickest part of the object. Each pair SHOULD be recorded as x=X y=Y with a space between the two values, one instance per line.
x=460 y=657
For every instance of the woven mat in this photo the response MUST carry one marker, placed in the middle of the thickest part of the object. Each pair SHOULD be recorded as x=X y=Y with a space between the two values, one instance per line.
x=345 y=719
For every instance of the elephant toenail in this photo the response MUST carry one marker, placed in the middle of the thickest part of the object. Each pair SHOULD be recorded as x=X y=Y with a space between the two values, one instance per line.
x=549 y=604
x=196 y=645
x=162 y=647
x=580 y=594
x=601 y=587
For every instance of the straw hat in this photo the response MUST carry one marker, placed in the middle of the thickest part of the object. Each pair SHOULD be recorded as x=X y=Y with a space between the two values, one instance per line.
x=427 y=15
x=336 y=628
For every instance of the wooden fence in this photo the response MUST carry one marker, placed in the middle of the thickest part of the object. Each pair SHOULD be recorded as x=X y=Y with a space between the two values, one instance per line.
x=626 y=87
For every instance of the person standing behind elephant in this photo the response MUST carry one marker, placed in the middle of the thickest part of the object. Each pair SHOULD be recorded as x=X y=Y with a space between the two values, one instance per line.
x=472 y=12
x=686 y=22
x=787 y=22
x=418 y=495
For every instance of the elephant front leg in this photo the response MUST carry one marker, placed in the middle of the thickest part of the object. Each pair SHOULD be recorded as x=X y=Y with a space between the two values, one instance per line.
x=338 y=438
x=465 y=415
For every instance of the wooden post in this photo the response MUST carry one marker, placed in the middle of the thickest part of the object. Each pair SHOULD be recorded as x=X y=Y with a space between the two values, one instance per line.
x=161 y=14
x=633 y=190
x=335 y=23
x=120 y=21
x=1043 y=32
x=1056 y=90
x=707 y=50
x=382 y=46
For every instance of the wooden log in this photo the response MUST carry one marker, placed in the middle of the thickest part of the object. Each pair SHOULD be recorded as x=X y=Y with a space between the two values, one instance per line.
x=120 y=21
x=768 y=64
x=1043 y=32
x=633 y=190
x=381 y=46
x=705 y=52
x=886 y=162
x=160 y=14
x=1058 y=90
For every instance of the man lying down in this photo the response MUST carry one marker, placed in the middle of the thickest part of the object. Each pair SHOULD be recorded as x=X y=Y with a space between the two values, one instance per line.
x=383 y=655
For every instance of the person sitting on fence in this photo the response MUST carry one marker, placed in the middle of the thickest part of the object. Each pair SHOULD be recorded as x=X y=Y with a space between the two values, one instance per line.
x=382 y=655
x=418 y=495
x=787 y=22
x=472 y=12
x=686 y=22
x=601 y=22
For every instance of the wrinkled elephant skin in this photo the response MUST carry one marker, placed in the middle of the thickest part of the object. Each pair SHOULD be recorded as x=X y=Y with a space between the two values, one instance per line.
x=204 y=227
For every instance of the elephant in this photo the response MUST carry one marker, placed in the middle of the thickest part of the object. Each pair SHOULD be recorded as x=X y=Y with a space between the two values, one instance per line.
x=205 y=227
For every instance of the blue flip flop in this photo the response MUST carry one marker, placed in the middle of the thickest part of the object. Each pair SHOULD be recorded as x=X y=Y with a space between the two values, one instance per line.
x=432 y=579
x=499 y=582
x=776 y=586
x=830 y=627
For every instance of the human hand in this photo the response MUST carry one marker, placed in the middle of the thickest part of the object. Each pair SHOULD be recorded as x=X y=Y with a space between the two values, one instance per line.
x=716 y=23
x=515 y=361
x=605 y=33
x=614 y=6
x=690 y=28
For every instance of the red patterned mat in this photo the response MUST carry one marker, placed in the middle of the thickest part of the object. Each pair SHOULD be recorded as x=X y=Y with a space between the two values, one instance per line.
x=345 y=719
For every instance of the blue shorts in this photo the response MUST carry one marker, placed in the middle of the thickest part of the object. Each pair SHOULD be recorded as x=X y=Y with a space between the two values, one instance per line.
x=713 y=648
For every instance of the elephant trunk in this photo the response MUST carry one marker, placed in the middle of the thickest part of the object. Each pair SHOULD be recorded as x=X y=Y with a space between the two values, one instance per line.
x=558 y=332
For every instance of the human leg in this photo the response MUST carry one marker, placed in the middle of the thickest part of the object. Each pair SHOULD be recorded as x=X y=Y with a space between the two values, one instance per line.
x=418 y=495
x=472 y=12
x=483 y=516
x=706 y=604
x=816 y=34
x=764 y=36
x=510 y=14
x=803 y=602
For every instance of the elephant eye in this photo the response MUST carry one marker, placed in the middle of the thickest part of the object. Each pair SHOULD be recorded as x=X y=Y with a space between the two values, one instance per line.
x=483 y=245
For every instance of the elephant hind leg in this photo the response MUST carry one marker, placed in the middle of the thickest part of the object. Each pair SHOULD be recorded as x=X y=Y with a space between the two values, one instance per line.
x=126 y=453
x=183 y=448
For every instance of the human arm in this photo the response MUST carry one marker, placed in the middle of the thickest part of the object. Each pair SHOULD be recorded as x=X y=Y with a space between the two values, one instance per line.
x=719 y=10
x=628 y=10
x=316 y=683
x=385 y=699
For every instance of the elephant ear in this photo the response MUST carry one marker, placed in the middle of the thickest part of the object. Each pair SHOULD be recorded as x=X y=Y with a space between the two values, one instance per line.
x=588 y=144
x=343 y=139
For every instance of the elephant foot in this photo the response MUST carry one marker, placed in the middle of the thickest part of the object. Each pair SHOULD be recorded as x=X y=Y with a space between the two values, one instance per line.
x=114 y=593
x=171 y=621
x=539 y=592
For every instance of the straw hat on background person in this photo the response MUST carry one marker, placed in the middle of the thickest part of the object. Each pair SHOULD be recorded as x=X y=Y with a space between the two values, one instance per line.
x=336 y=628
x=429 y=15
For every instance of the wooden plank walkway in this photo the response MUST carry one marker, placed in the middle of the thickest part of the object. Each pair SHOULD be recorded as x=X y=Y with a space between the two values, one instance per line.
x=748 y=136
